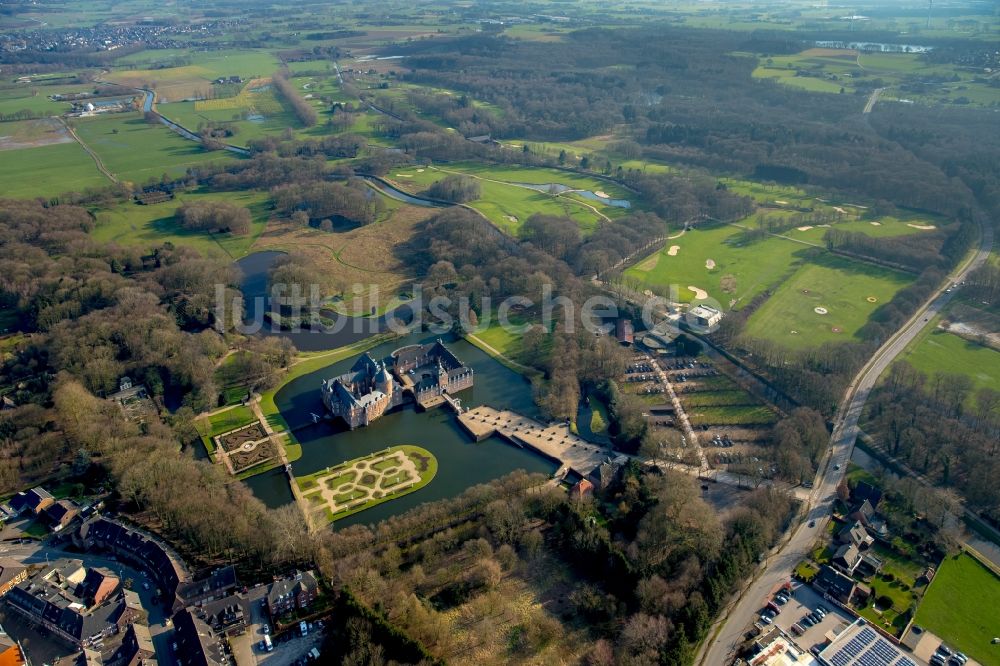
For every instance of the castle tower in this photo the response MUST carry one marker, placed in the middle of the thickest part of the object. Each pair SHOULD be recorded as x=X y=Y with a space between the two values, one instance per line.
x=383 y=382
x=442 y=376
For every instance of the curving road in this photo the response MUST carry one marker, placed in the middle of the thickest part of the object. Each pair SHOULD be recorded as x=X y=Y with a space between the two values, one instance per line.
x=720 y=647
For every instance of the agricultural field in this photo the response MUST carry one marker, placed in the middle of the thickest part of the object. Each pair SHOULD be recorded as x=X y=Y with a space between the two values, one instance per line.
x=137 y=151
x=194 y=80
x=971 y=624
x=34 y=97
x=938 y=351
x=47 y=170
x=907 y=75
x=154 y=224
x=32 y=134
x=826 y=300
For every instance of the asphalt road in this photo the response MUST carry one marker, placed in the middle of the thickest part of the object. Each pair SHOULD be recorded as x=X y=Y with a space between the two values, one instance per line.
x=779 y=565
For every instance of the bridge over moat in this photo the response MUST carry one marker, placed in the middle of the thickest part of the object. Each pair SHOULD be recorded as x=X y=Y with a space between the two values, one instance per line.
x=554 y=441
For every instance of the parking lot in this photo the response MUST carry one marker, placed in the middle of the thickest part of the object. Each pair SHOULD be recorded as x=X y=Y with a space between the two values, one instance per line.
x=803 y=601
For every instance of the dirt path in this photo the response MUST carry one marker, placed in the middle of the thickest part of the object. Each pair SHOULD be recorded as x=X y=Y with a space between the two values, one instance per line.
x=94 y=156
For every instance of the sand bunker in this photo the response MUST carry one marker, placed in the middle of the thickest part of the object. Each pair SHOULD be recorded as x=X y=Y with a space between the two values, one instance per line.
x=872 y=299
x=709 y=264
x=805 y=228
x=783 y=203
x=699 y=294
x=922 y=227
x=875 y=224
x=512 y=219
x=602 y=194
x=820 y=310
x=840 y=210
x=404 y=175
x=420 y=170
x=672 y=252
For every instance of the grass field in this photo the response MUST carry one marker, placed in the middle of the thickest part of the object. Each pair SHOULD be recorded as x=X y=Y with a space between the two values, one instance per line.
x=839 y=285
x=961 y=607
x=136 y=151
x=47 y=171
x=939 y=351
x=740 y=272
x=831 y=70
x=507 y=204
x=150 y=226
x=193 y=80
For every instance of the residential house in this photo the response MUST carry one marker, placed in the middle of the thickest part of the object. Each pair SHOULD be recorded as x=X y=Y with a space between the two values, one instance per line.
x=864 y=513
x=34 y=501
x=12 y=572
x=60 y=514
x=868 y=565
x=10 y=651
x=581 y=490
x=836 y=584
x=130 y=545
x=856 y=534
x=926 y=576
x=293 y=593
x=866 y=491
x=846 y=558
x=78 y=605
x=195 y=643
x=136 y=648
x=218 y=584
x=227 y=616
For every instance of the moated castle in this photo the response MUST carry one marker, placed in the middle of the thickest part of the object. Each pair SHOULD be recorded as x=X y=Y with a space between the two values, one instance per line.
x=369 y=390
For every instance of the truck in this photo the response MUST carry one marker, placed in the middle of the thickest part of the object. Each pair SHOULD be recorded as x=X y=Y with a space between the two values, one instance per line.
x=303 y=628
x=268 y=645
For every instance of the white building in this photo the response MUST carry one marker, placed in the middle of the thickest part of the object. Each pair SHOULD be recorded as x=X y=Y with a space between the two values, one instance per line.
x=703 y=318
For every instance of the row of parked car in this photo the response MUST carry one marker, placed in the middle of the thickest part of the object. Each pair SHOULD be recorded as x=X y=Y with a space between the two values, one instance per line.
x=945 y=656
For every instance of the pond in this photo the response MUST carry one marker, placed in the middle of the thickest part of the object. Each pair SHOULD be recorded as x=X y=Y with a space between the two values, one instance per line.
x=462 y=463
x=347 y=330
x=559 y=188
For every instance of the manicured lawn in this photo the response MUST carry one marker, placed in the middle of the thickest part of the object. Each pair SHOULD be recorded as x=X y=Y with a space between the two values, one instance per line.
x=152 y=225
x=137 y=151
x=741 y=270
x=508 y=205
x=840 y=286
x=961 y=607
x=46 y=171
x=229 y=420
x=367 y=480
x=599 y=418
x=940 y=351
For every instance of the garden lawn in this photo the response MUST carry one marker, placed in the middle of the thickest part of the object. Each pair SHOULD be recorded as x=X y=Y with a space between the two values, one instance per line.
x=132 y=224
x=47 y=171
x=960 y=606
x=841 y=286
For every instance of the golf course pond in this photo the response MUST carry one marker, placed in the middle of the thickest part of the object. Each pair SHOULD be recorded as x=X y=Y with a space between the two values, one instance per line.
x=461 y=462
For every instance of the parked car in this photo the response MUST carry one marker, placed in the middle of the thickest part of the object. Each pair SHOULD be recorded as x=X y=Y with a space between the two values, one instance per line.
x=765 y=618
x=822 y=609
x=812 y=523
x=944 y=650
x=797 y=629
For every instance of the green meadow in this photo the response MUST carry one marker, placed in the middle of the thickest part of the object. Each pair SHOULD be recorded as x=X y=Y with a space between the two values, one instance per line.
x=939 y=351
x=847 y=290
x=149 y=226
x=135 y=150
x=46 y=171
x=960 y=605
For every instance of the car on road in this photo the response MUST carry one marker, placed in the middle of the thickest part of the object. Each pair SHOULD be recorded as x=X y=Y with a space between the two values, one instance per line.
x=812 y=523
x=837 y=466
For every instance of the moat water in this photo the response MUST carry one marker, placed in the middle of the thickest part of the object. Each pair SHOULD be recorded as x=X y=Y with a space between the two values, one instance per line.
x=462 y=463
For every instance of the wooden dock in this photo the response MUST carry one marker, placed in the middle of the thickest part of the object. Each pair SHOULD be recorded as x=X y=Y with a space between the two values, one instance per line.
x=554 y=441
